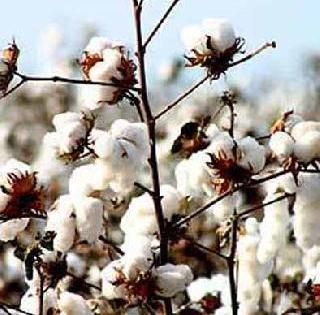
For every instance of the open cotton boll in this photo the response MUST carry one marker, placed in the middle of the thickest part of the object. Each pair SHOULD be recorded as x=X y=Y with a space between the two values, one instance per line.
x=73 y=304
x=307 y=147
x=171 y=201
x=30 y=302
x=89 y=219
x=302 y=128
x=172 y=279
x=133 y=132
x=311 y=259
x=61 y=120
x=137 y=244
x=61 y=221
x=221 y=32
x=199 y=288
x=103 y=145
x=109 y=276
x=281 y=144
x=76 y=265
x=223 y=145
x=273 y=228
x=193 y=37
x=252 y=154
x=291 y=121
x=93 y=97
x=192 y=176
x=281 y=183
x=135 y=264
x=223 y=209
x=97 y=45
x=10 y=229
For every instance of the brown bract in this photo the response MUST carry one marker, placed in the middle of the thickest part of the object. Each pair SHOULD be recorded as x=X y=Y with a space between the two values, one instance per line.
x=10 y=57
x=215 y=61
x=87 y=62
x=226 y=172
x=27 y=198
x=279 y=125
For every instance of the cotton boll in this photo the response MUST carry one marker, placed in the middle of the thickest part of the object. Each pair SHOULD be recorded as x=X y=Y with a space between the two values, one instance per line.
x=97 y=45
x=76 y=265
x=103 y=145
x=192 y=176
x=93 y=97
x=73 y=304
x=212 y=131
x=171 y=201
x=172 y=279
x=273 y=229
x=281 y=144
x=10 y=229
x=109 y=276
x=252 y=154
x=193 y=37
x=304 y=127
x=137 y=244
x=135 y=264
x=89 y=219
x=223 y=209
x=61 y=120
x=30 y=301
x=61 y=220
x=307 y=147
x=199 y=288
x=221 y=33
x=281 y=183
x=133 y=132
x=223 y=145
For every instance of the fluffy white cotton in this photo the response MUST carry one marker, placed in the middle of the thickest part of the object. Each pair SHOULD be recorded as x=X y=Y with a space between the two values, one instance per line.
x=97 y=45
x=306 y=212
x=172 y=279
x=76 y=265
x=220 y=32
x=30 y=301
x=281 y=144
x=72 y=304
x=89 y=219
x=308 y=147
x=10 y=229
x=273 y=228
x=300 y=129
x=71 y=129
x=140 y=217
x=252 y=154
x=192 y=176
x=61 y=220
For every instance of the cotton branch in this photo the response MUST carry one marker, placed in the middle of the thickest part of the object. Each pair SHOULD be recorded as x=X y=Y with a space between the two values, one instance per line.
x=57 y=79
x=152 y=138
x=160 y=23
x=198 y=84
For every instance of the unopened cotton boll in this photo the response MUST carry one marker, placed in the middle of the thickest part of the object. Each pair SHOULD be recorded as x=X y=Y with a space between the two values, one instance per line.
x=307 y=147
x=89 y=219
x=73 y=304
x=281 y=144
x=221 y=32
x=61 y=221
x=10 y=229
x=172 y=279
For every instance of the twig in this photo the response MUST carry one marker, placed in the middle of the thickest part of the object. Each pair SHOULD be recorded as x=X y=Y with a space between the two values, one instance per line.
x=13 y=307
x=231 y=263
x=181 y=97
x=253 y=182
x=233 y=64
x=263 y=137
x=262 y=205
x=41 y=276
x=144 y=188
x=57 y=79
x=160 y=23
x=90 y=285
x=202 y=247
x=254 y=53
x=116 y=248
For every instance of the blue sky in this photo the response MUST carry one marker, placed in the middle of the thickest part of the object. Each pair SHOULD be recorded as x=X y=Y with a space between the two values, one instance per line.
x=294 y=24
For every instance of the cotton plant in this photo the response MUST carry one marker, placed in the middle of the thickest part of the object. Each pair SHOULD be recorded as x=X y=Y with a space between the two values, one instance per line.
x=182 y=240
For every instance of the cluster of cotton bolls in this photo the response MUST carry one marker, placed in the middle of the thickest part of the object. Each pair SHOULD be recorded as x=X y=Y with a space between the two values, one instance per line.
x=104 y=61
x=298 y=138
x=121 y=154
x=195 y=178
